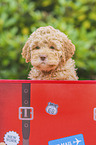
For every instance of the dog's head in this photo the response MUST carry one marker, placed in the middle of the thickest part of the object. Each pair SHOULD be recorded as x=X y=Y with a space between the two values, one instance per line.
x=46 y=48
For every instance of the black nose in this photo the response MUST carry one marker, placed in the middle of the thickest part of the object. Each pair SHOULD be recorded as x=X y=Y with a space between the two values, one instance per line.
x=42 y=57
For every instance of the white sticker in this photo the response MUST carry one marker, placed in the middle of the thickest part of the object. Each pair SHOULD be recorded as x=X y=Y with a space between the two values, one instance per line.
x=52 y=108
x=11 y=138
x=95 y=114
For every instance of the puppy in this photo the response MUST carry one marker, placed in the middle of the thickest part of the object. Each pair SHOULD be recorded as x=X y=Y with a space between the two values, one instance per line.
x=50 y=52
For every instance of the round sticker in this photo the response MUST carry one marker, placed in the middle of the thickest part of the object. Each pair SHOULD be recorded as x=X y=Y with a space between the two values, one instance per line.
x=11 y=138
x=52 y=108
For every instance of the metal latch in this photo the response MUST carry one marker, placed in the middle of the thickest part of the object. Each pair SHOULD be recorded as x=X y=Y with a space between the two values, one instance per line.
x=26 y=113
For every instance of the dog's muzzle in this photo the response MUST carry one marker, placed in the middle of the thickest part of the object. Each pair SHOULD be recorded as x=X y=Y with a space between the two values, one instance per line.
x=43 y=57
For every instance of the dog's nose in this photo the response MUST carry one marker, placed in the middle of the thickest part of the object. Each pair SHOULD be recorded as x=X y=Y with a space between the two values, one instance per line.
x=42 y=57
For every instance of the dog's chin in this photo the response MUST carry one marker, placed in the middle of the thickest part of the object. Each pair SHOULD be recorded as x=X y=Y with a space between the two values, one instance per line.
x=45 y=67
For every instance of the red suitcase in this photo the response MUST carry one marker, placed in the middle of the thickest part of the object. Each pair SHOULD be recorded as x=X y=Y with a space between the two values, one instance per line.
x=47 y=112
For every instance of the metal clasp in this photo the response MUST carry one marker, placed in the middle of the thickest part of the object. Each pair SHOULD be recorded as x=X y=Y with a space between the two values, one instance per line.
x=25 y=114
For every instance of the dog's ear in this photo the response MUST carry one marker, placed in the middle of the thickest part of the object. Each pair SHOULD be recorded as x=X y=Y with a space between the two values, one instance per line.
x=69 y=49
x=26 y=52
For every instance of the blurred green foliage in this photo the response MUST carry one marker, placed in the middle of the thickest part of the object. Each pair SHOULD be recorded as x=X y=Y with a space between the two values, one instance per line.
x=19 y=18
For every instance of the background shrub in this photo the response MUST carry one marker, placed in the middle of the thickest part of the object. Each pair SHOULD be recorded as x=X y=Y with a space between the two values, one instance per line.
x=19 y=18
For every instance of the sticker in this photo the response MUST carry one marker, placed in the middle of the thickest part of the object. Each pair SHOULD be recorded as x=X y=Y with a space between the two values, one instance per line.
x=11 y=138
x=95 y=114
x=72 y=140
x=52 y=108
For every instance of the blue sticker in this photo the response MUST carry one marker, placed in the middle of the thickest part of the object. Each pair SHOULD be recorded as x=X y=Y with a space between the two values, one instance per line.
x=72 y=140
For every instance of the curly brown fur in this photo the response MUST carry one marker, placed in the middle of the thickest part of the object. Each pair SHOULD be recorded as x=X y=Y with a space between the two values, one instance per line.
x=50 y=52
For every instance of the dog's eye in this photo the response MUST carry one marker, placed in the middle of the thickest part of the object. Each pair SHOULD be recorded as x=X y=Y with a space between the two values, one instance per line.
x=52 y=47
x=37 y=47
